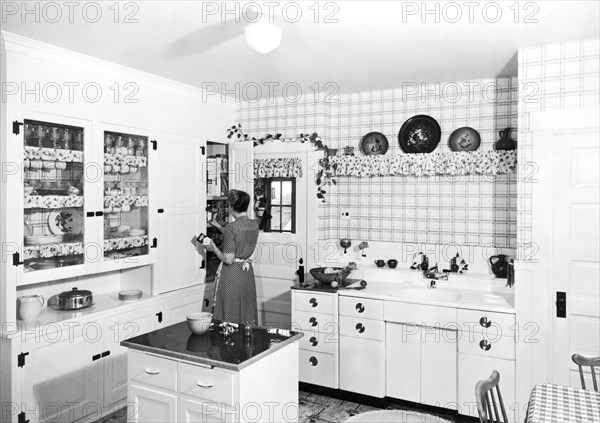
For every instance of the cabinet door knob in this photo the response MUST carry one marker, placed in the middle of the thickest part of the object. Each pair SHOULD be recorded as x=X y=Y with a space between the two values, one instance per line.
x=485 y=345
x=313 y=341
x=360 y=327
x=313 y=321
x=204 y=385
x=313 y=361
x=360 y=308
x=152 y=371
x=313 y=302
x=484 y=322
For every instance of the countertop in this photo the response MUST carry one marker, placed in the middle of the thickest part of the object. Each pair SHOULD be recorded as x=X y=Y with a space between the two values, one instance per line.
x=475 y=292
x=232 y=351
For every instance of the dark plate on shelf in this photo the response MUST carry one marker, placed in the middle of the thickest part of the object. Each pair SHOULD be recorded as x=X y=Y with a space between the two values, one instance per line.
x=374 y=143
x=464 y=139
x=419 y=134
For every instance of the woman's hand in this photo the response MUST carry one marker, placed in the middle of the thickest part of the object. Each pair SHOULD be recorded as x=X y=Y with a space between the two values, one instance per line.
x=216 y=225
x=208 y=244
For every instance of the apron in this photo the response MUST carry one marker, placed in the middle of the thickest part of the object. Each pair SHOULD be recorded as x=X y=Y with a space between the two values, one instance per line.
x=245 y=267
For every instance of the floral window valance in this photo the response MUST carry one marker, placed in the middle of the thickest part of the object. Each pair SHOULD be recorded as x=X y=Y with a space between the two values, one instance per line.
x=278 y=168
x=455 y=163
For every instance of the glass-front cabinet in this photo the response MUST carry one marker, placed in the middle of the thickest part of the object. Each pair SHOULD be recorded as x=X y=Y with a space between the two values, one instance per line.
x=125 y=195
x=86 y=198
x=53 y=189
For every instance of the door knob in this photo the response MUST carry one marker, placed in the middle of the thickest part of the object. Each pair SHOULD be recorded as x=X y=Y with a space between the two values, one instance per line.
x=484 y=322
x=313 y=361
x=360 y=327
x=313 y=341
x=360 y=308
x=313 y=321
x=485 y=345
x=313 y=302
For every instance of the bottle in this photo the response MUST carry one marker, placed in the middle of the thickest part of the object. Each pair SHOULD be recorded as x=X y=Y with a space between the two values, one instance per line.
x=130 y=147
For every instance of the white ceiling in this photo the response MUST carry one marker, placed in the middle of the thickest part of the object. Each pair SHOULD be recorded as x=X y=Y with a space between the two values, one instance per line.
x=368 y=47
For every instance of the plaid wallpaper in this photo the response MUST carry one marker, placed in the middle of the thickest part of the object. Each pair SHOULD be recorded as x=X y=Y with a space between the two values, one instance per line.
x=472 y=209
x=551 y=77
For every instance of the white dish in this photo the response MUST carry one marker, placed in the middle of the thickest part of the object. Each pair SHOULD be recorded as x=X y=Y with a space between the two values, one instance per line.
x=130 y=294
x=66 y=220
x=40 y=239
x=137 y=232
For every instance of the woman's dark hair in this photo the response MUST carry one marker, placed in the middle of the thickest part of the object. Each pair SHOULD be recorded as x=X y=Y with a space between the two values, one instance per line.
x=238 y=200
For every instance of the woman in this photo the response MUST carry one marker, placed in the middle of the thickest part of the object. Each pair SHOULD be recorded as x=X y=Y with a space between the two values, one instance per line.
x=235 y=288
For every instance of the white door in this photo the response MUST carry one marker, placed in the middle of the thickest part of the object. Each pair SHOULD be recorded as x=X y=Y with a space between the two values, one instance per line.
x=278 y=255
x=576 y=250
x=116 y=329
x=61 y=381
x=151 y=405
x=403 y=361
x=181 y=212
x=190 y=411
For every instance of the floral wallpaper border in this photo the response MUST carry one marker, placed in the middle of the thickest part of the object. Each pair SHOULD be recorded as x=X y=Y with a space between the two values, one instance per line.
x=454 y=163
x=278 y=168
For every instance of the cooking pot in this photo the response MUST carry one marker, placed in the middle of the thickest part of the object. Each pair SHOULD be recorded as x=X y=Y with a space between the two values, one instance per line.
x=74 y=299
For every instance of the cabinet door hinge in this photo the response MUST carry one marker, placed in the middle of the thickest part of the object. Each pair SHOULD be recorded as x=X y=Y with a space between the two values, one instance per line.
x=203 y=149
x=154 y=243
x=96 y=357
x=105 y=354
x=22 y=417
x=154 y=144
x=21 y=359
x=203 y=264
x=16 y=125
x=17 y=259
x=161 y=210
x=159 y=316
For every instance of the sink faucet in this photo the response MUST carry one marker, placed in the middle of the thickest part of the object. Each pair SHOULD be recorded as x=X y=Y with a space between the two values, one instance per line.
x=432 y=284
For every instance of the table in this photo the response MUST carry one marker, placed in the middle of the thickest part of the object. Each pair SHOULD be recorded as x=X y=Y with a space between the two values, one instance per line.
x=561 y=404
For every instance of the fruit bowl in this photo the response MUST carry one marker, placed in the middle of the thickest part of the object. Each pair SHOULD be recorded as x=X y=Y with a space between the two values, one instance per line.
x=319 y=273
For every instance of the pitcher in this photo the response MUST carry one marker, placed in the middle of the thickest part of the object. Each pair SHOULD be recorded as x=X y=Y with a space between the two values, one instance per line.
x=29 y=307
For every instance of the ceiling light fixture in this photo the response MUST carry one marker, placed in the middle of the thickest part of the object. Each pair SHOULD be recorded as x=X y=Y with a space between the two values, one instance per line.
x=263 y=36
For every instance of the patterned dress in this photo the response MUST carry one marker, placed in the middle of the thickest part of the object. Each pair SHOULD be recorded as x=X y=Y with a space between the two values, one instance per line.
x=236 y=288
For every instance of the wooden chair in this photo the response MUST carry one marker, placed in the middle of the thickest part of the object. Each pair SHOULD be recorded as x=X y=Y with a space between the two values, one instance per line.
x=585 y=361
x=487 y=403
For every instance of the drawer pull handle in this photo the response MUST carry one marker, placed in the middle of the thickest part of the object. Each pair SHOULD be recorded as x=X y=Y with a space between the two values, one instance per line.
x=485 y=345
x=313 y=341
x=484 y=322
x=152 y=371
x=204 y=385
x=360 y=308
x=313 y=321
x=313 y=361
x=313 y=302
x=360 y=327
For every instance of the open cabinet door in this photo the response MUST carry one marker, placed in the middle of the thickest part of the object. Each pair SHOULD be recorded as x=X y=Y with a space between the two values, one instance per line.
x=181 y=212
x=241 y=170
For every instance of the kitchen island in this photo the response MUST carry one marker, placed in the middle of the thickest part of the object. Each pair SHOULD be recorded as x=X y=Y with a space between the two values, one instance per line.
x=231 y=373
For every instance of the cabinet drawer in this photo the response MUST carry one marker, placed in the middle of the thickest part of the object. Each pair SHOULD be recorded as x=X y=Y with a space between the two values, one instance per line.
x=316 y=322
x=152 y=370
x=359 y=327
x=490 y=325
x=420 y=315
x=316 y=368
x=500 y=346
x=210 y=384
x=314 y=302
x=320 y=342
x=361 y=307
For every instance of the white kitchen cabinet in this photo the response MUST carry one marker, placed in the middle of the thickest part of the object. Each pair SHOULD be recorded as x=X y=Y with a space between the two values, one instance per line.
x=193 y=411
x=420 y=360
x=178 y=308
x=182 y=202
x=61 y=381
x=116 y=329
x=151 y=405
x=362 y=346
x=316 y=314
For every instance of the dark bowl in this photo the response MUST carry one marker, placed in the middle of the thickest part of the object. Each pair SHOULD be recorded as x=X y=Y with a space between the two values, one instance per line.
x=318 y=274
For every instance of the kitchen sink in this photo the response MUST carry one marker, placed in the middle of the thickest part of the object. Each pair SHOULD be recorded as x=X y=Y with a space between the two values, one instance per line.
x=427 y=294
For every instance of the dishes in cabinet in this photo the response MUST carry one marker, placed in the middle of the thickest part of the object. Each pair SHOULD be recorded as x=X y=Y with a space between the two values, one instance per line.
x=419 y=134
x=464 y=139
x=52 y=188
x=27 y=228
x=66 y=220
x=137 y=232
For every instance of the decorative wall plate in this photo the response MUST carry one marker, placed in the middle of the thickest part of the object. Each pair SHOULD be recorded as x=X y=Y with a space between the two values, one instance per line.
x=374 y=143
x=66 y=221
x=419 y=134
x=464 y=139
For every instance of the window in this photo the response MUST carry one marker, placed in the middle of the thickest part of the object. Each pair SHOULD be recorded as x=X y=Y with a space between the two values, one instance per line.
x=276 y=204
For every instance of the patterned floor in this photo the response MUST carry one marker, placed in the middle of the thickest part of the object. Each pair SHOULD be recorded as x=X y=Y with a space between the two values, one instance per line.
x=316 y=408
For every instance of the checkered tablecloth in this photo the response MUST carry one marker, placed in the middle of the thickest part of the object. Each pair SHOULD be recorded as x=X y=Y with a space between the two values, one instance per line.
x=562 y=404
